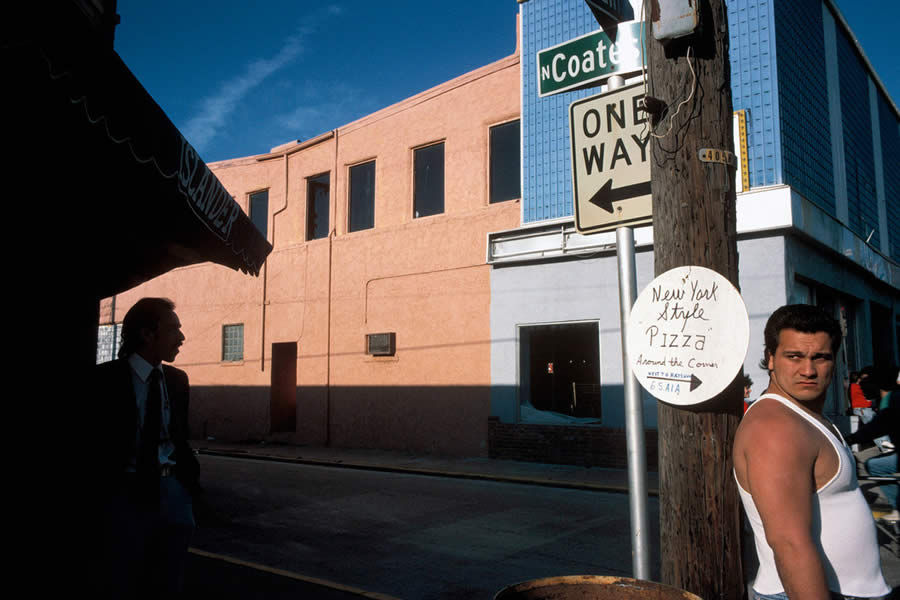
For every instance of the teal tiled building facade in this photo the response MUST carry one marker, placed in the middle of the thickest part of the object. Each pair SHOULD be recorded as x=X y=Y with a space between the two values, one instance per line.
x=793 y=64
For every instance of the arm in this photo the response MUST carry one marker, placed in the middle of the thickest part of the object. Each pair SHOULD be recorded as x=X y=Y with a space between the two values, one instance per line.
x=780 y=477
x=877 y=427
x=187 y=467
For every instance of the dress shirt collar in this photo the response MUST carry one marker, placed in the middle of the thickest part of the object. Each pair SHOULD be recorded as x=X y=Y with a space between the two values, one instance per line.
x=141 y=367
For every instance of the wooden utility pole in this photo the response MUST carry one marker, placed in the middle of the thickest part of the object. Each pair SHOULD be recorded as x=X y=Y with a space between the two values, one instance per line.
x=694 y=224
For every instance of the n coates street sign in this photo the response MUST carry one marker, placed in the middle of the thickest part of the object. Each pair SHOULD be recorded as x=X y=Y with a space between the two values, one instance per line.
x=688 y=336
x=610 y=162
x=590 y=59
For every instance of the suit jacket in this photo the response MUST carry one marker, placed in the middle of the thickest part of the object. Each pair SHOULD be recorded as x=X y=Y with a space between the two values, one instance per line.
x=118 y=419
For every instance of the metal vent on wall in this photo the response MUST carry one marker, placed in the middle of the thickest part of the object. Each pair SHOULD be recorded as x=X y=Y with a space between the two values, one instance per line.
x=381 y=344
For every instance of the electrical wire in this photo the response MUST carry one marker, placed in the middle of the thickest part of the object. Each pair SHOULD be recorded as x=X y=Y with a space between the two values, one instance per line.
x=683 y=102
x=646 y=77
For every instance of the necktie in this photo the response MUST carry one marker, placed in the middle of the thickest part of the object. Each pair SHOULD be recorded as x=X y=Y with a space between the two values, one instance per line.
x=148 y=463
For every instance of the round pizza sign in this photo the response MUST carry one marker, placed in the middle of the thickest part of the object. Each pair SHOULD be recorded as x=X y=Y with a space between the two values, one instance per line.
x=688 y=335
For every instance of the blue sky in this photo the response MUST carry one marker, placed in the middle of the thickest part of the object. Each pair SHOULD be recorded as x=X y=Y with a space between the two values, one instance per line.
x=239 y=77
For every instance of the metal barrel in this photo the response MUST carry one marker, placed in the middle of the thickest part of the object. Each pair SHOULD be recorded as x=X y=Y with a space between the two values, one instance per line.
x=592 y=587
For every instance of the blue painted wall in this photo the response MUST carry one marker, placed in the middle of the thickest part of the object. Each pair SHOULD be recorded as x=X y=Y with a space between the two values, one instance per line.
x=803 y=101
x=858 y=157
x=890 y=160
x=547 y=180
x=751 y=25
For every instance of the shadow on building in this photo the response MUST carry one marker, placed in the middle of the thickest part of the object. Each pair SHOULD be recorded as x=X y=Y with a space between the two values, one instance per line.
x=441 y=420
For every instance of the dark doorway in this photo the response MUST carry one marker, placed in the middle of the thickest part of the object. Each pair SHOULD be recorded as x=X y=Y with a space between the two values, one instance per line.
x=283 y=402
x=883 y=336
x=560 y=366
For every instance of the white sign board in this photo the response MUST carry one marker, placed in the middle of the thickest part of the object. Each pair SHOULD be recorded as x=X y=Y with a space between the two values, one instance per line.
x=688 y=335
x=610 y=160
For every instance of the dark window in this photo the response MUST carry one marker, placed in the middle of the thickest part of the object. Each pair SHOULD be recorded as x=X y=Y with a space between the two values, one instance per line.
x=259 y=210
x=381 y=344
x=362 y=196
x=317 y=206
x=233 y=342
x=505 y=161
x=560 y=369
x=428 y=197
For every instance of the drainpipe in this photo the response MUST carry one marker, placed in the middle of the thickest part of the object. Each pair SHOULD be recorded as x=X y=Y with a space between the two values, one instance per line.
x=331 y=234
x=284 y=154
x=265 y=280
x=262 y=320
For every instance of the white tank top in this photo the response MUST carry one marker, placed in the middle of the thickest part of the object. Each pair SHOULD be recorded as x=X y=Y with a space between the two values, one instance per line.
x=848 y=541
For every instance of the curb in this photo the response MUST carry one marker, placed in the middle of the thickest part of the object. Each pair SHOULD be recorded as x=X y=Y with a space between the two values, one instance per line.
x=596 y=487
x=291 y=575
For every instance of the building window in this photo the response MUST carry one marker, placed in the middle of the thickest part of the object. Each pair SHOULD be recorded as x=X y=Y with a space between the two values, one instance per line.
x=233 y=342
x=559 y=366
x=259 y=211
x=505 y=162
x=428 y=167
x=381 y=344
x=362 y=196
x=109 y=340
x=317 y=192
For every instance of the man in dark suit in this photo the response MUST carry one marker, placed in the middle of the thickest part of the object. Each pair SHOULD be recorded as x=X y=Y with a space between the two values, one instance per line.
x=149 y=470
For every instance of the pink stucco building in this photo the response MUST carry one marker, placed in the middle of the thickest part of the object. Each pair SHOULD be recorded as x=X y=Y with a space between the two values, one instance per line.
x=378 y=227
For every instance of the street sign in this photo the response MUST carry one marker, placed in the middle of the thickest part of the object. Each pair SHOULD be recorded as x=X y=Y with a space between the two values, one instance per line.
x=590 y=59
x=688 y=335
x=610 y=160
x=611 y=9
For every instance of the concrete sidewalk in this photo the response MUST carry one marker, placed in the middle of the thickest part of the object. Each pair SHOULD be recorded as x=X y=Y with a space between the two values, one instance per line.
x=566 y=476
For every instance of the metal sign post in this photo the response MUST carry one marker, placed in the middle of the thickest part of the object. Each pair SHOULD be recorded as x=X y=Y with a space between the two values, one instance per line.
x=634 y=411
x=611 y=188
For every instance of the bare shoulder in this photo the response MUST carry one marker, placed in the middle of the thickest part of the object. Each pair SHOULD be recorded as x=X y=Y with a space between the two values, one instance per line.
x=773 y=430
x=773 y=449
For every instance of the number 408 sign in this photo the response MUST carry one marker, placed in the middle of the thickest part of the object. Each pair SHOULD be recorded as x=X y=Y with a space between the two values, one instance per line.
x=688 y=335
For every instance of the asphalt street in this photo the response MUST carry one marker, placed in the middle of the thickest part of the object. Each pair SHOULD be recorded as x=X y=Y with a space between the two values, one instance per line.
x=283 y=532
x=403 y=535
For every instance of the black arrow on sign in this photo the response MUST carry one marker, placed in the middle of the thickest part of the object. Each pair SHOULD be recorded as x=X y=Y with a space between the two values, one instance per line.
x=695 y=381
x=605 y=196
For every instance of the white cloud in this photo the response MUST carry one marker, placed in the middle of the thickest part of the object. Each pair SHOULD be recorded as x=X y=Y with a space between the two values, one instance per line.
x=323 y=106
x=203 y=127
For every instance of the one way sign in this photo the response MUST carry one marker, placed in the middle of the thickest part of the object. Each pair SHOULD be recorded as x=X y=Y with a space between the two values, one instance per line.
x=610 y=160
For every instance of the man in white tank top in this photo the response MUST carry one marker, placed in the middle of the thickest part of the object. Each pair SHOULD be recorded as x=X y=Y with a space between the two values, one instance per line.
x=813 y=531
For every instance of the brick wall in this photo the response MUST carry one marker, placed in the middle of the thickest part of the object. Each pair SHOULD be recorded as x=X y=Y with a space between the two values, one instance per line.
x=565 y=445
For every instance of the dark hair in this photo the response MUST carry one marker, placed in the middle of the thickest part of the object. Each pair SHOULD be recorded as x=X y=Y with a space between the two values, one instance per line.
x=804 y=318
x=747 y=381
x=145 y=314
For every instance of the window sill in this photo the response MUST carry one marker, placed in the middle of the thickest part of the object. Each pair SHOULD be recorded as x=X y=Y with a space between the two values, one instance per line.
x=360 y=231
x=499 y=202
x=427 y=217
x=378 y=359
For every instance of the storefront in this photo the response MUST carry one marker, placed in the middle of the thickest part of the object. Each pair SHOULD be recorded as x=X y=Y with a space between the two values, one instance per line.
x=800 y=232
